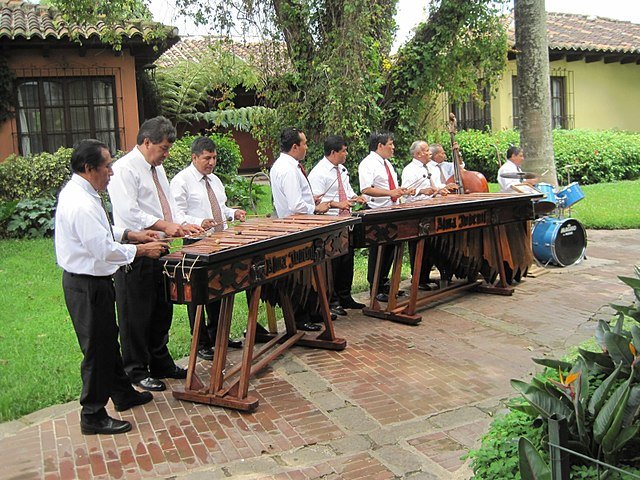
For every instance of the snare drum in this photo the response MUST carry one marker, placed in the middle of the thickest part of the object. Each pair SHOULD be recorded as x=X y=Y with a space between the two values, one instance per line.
x=570 y=194
x=549 y=192
x=559 y=241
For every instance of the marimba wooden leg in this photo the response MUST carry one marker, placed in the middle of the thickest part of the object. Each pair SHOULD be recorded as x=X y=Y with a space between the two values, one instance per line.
x=373 y=303
x=220 y=354
x=249 y=342
x=327 y=339
x=271 y=317
x=396 y=273
x=415 y=276
x=193 y=382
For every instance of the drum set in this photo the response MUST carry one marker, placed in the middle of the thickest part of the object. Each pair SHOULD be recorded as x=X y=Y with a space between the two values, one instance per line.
x=556 y=238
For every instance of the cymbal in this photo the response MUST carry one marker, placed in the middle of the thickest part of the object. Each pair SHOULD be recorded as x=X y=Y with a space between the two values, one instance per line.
x=520 y=175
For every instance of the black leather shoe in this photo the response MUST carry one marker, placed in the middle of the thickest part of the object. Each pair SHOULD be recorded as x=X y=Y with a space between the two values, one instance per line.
x=401 y=293
x=205 y=353
x=234 y=343
x=150 y=383
x=310 y=327
x=107 y=426
x=175 y=372
x=382 y=297
x=137 y=398
x=338 y=310
x=351 y=303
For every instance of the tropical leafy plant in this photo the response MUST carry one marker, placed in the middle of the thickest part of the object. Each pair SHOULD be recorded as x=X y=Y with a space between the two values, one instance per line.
x=32 y=218
x=598 y=394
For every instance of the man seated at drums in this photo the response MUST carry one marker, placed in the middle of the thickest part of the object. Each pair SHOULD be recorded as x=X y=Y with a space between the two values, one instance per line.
x=200 y=198
x=292 y=194
x=515 y=157
x=440 y=169
x=379 y=187
x=90 y=250
x=329 y=181
x=416 y=175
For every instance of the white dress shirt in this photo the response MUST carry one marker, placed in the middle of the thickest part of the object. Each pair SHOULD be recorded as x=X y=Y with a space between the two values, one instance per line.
x=323 y=178
x=447 y=171
x=505 y=183
x=190 y=196
x=134 y=195
x=83 y=240
x=372 y=173
x=290 y=188
x=417 y=175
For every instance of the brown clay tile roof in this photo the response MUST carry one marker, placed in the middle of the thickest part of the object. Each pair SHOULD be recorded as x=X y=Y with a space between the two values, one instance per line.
x=264 y=56
x=23 y=20
x=589 y=33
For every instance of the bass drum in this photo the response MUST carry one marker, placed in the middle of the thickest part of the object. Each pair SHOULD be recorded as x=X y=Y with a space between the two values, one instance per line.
x=561 y=241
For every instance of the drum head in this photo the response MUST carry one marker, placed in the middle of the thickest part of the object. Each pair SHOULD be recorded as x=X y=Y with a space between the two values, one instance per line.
x=542 y=207
x=570 y=242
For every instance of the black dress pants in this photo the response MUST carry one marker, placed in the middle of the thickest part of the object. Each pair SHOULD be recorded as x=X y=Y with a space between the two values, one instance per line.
x=387 y=261
x=425 y=271
x=342 y=278
x=145 y=319
x=209 y=325
x=90 y=302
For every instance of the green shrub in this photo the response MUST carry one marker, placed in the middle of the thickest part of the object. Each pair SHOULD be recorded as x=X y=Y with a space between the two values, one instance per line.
x=32 y=218
x=588 y=156
x=33 y=176
x=229 y=157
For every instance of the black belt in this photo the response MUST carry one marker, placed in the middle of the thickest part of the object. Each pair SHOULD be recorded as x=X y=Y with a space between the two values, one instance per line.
x=89 y=277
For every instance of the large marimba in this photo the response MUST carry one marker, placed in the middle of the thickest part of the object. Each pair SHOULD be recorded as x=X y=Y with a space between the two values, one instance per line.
x=257 y=255
x=468 y=236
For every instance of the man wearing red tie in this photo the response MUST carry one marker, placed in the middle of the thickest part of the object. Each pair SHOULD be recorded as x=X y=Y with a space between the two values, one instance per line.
x=379 y=186
x=329 y=181
x=141 y=200
x=200 y=198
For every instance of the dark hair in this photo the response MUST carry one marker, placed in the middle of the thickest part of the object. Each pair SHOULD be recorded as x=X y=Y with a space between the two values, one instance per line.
x=333 y=143
x=87 y=152
x=156 y=129
x=288 y=138
x=379 y=137
x=201 y=144
x=511 y=151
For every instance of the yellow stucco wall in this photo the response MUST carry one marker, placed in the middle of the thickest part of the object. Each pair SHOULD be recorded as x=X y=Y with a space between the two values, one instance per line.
x=604 y=95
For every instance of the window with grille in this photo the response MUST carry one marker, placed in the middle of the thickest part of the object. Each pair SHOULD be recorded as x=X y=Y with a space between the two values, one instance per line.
x=472 y=114
x=59 y=112
x=560 y=118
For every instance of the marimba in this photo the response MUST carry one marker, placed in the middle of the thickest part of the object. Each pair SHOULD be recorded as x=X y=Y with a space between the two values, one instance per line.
x=463 y=235
x=250 y=256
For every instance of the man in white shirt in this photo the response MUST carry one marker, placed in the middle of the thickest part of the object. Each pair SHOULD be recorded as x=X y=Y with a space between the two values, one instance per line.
x=292 y=194
x=515 y=157
x=379 y=187
x=141 y=200
x=329 y=181
x=200 y=198
x=440 y=169
x=418 y=176
x=90 y=250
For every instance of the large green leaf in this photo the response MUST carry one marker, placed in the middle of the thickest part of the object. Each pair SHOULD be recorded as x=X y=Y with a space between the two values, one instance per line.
x=625 y=435
x=632 y=282
x=635 y=333
x=532 y=466
x=545 y=403
x=601 y=329
x=553 y=363
x=601 y=393
x=618 y=348
x=632 y=408
x=607 y=413
x=609 y=440
x=599 y=358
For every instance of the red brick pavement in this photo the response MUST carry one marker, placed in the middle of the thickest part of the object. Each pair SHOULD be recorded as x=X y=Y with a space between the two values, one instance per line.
x=423 y=391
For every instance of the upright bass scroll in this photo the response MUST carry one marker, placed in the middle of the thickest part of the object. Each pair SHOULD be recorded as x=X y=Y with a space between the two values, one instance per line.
x=468 y=181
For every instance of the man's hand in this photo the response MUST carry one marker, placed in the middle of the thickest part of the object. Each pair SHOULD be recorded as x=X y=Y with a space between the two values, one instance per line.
x=144 y=236
x=359 y=199
x=451 y=187
x=322 y=207
x=343 y=205
x=191 y=229
x=409 y=191
x=208 y=223
x=240 y=215
x=427 y=191
x=396 y=193
x=173 y=230
x=152 y=249
x=317 y=198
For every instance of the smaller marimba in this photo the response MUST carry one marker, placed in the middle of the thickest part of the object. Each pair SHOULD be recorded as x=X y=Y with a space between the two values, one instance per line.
x=261 y=253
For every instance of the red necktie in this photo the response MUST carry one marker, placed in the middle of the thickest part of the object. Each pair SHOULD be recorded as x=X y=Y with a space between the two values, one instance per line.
x=392 y=184
x=342 y=195
x=301 y=167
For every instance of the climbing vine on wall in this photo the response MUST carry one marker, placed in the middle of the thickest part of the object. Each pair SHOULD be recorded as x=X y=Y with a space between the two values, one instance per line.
x=7 y=79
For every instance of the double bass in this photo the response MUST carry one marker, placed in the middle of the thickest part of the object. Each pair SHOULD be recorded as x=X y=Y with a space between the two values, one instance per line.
x=468 y=181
